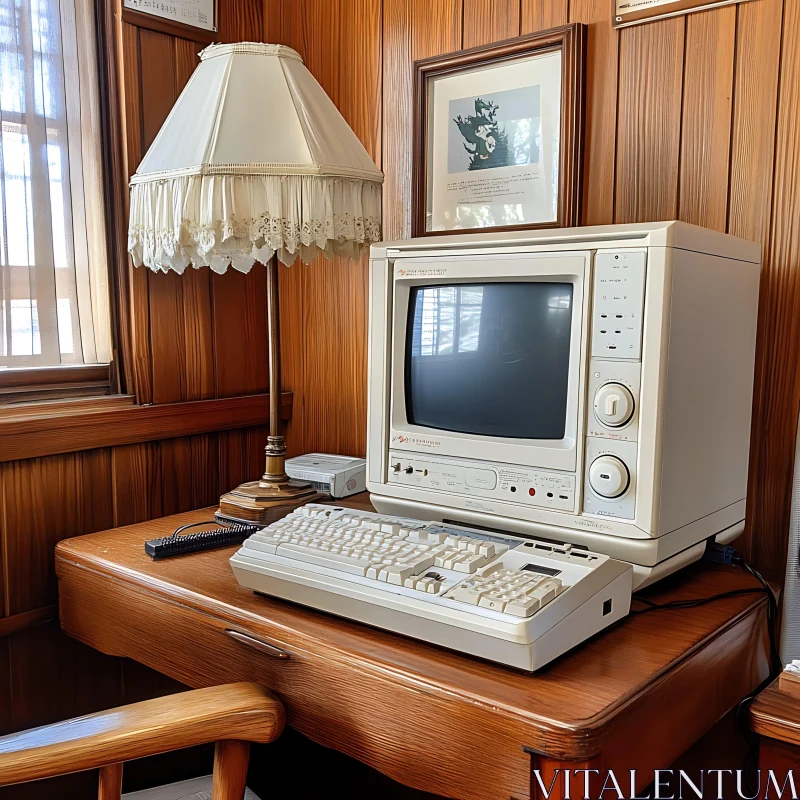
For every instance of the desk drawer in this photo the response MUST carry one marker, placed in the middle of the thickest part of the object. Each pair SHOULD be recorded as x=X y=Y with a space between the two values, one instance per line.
x=410 y=731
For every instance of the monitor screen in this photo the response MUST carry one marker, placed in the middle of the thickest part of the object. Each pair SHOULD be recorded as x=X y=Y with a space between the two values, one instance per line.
x=489 y=358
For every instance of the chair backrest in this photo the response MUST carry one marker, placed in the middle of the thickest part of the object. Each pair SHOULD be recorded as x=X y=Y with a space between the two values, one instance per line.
x=232 y=716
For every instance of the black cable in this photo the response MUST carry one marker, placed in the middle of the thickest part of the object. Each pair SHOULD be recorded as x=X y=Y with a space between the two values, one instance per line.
x=694 y=603
x=776 y=665
x=728 y=555
x=238 y=527
x=183 y=528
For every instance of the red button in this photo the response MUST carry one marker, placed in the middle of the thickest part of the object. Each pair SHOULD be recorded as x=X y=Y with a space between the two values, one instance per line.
x=531 y=491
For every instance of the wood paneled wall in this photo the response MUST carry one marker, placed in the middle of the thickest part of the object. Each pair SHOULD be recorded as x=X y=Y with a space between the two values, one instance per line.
x=695 y=118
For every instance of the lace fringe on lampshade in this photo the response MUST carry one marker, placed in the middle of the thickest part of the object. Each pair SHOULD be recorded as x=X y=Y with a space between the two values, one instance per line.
x=236 y=220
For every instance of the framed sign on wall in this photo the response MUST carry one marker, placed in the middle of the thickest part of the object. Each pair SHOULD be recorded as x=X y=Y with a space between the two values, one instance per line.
x=498 y=135
x=633 y=12
x=193 y=13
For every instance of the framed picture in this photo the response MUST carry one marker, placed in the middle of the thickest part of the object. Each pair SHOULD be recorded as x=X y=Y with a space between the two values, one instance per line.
x=191 y=13
x=498 y=135
x=632 y=12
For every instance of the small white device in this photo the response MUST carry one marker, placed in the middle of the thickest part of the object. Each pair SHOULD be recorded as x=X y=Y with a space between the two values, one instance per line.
x=338 y=476
x=505 y=598
x=586 y=389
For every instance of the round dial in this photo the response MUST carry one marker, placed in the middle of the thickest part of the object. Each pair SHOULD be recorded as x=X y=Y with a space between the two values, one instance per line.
x=613 y=405
x=609 y=477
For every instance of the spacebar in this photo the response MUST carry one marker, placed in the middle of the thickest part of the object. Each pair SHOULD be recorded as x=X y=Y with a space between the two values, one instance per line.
x=311 y=555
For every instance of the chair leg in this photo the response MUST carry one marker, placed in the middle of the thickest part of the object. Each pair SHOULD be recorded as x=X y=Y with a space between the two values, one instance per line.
x=109 y=786
x=230 y=769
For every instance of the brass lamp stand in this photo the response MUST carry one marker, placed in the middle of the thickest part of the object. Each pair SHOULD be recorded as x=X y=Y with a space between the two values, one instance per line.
x=275 y=495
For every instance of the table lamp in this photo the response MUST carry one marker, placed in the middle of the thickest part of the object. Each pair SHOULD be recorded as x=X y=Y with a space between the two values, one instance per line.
x=254 y=163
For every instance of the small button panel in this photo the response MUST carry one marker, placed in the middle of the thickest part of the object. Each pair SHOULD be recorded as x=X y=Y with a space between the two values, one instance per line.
x=619 y=279
x=529 y=487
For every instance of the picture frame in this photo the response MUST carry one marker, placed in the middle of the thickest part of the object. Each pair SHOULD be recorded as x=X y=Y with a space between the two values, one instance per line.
x=498 y=135
x=636 y=12
x=193 y=19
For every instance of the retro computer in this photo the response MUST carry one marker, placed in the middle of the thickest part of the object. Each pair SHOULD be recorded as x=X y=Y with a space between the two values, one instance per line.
x=555 y=419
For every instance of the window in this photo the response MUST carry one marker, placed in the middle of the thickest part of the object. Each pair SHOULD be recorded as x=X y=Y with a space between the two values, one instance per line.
x=54 y=307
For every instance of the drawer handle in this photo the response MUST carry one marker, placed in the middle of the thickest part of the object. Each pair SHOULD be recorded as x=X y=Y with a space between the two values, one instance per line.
x=257 y=644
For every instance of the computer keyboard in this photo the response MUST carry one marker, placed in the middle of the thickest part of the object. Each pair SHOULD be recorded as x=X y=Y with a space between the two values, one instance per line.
x=510 y=599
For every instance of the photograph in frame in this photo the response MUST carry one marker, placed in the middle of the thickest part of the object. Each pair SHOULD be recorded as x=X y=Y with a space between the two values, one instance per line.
x=493 y=145
x=498 y=135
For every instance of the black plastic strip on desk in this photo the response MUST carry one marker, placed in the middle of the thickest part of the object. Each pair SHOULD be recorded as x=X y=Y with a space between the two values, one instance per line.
x=178 y=545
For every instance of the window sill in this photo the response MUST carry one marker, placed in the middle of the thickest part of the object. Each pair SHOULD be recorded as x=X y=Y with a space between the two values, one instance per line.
x=53 y=383
x=45 y=429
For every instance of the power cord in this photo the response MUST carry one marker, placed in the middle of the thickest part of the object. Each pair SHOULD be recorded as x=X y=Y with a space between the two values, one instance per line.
x=724 y=554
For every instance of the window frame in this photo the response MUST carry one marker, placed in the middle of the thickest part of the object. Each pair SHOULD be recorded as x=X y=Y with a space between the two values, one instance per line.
x=32 y=384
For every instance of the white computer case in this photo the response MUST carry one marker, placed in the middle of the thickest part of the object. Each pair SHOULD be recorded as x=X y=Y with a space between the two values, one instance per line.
x=687 y=449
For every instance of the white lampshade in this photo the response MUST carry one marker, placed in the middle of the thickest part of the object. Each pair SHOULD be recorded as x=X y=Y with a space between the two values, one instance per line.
x=253 y=159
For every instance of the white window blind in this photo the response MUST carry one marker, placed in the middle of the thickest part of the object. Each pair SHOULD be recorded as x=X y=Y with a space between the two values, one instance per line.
x=54 y=306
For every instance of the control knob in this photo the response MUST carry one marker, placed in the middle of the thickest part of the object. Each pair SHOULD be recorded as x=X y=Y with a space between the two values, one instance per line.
x=613 y=405
x=609 y=477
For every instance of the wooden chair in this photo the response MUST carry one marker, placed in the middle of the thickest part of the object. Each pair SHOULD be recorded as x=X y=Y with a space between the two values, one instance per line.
x=232 y=716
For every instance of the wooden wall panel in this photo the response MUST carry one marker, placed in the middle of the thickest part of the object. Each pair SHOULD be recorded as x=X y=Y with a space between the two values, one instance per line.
x=706 y=130
x=487 y=21
x=136 y=483
x=648 y=133
x=397 y=113
x=46 y=500
x=139 y=278
x=778 y=390
x=602 y=56
x=241 y=457
x=539 y=15
x=758 y=51
x=177 y=473
x=159 y=90
x=436 y=27
x=240 y=332
x=293 y=354
x=240 y=20
x=329 y=379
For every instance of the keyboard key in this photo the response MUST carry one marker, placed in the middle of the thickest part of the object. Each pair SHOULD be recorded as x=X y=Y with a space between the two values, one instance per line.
x=266 y=544
x=491 y=602
x=465 y=594
x=353 y=566
x=419 y=563
x=470 y=564
x=396 y=574
x=546 y=591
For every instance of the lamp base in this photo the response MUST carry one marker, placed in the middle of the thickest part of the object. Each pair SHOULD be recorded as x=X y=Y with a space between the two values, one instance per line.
x=262 y=502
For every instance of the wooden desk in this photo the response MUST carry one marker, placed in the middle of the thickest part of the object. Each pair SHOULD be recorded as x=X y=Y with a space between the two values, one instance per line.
x=775 y=716
x=636 y=696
